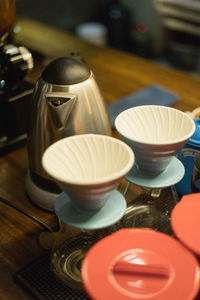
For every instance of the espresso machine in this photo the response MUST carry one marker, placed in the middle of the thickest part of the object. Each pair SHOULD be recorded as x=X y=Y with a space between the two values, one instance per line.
x=15 y=91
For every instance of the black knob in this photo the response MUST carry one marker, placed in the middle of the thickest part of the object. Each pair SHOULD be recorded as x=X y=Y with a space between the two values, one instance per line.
x=66 y=70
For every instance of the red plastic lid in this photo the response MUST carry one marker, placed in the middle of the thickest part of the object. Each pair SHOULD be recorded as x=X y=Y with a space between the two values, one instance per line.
x=140 y=264
x=185 y=221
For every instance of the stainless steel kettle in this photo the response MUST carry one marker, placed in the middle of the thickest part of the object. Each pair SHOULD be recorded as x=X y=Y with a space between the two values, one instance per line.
x=67 y=100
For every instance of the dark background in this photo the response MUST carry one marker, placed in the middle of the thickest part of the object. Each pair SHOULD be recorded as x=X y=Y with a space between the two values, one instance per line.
x=135 y=26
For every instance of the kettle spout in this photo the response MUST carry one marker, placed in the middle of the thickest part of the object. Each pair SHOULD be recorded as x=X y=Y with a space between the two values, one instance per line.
x=59 y=107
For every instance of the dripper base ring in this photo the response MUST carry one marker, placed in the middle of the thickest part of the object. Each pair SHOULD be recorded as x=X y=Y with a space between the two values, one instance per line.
x=109 y=214
x=173 y=174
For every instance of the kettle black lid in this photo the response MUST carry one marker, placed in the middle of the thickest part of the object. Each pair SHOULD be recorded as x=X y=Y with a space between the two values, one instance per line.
x=66 y=70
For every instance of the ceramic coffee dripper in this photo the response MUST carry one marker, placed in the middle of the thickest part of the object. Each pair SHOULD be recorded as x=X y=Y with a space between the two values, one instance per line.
x=156 y=134
x=88 y=169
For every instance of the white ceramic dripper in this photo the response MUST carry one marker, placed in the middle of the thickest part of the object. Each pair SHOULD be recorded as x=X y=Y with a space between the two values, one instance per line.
x=88 y=167
x=155 y=133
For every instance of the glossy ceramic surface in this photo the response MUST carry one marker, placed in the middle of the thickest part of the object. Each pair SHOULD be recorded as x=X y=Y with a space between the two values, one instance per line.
x=88 y=167
x=110 y=213
x=146 y=265
x=155 y=133
x=170 y=176
x=185 y=221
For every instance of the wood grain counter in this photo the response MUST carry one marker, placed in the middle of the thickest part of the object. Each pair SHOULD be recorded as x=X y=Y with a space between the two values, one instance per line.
x=119 y=74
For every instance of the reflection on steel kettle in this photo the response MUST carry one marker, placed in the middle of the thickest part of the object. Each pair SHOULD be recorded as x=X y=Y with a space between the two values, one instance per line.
x=67 y=100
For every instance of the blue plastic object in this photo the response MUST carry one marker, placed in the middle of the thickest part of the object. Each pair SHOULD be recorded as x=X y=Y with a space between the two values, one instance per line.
x=186 y=156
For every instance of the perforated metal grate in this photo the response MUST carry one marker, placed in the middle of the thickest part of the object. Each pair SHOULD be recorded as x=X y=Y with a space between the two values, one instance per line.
x=38 y=279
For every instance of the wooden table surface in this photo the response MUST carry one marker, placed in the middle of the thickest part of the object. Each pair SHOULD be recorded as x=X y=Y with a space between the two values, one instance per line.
x=119 y=74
